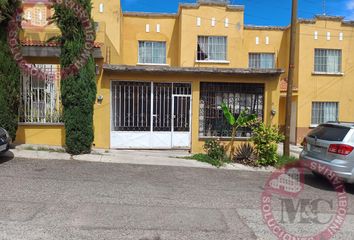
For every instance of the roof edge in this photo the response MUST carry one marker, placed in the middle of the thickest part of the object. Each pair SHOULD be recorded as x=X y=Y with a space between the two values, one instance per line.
x=272 y=28
x=148 y=14
x=340 y=19
x=190 y=70
x=197 y=5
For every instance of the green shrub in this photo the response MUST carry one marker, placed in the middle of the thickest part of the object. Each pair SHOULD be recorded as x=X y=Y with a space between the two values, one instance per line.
x=215 y=150
x=284 y=160
x=245 y=154
x=9 y=74
x=266 y=139
x=78 y=91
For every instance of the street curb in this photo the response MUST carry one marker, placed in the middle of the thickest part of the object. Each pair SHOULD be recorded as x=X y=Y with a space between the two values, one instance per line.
x=134 y=160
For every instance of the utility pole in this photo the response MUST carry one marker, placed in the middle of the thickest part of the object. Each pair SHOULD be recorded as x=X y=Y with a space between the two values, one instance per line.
x=289 y=93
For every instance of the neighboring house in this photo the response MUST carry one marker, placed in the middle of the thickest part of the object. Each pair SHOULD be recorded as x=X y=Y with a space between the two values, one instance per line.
x=162 y=77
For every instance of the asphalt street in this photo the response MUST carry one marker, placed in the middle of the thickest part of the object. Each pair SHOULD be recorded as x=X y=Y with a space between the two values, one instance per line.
x=49 y=199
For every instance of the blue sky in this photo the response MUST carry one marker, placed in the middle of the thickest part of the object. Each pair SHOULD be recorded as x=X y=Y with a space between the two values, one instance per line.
x=257 y=12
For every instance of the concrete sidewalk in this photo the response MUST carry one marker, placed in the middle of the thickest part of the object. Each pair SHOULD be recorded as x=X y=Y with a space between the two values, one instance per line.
x=294 y=150
x=138 y=157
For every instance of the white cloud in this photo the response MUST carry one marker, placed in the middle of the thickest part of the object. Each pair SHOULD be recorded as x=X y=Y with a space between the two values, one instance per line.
x=350 y=5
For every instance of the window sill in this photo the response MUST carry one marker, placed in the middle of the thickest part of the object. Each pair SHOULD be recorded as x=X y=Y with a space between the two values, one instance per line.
x=213 y=61
x=327 y=74
x=314 y=125
x=40 y=124
x=152 y=64
x=224 y=138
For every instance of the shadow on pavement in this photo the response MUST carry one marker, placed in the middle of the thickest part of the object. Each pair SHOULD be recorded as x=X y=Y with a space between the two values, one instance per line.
x=7 y=156
x=324 y=184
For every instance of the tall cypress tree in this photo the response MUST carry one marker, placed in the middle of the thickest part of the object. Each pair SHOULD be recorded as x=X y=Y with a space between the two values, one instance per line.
x=9 y=73
x=78 y=91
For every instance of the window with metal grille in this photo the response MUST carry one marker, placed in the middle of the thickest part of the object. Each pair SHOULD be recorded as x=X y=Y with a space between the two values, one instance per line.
x=261 y=60
x=323 y=112
x=212 y=48
x=40 y=99
x=238 y=96
x=328 y=60
x=152 y=52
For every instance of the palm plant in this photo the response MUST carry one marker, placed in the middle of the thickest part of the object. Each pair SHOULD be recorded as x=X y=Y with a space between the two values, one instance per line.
x=243 y=120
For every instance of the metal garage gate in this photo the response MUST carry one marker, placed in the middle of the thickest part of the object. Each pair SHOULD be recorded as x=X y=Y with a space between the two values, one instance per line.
x=151 y=115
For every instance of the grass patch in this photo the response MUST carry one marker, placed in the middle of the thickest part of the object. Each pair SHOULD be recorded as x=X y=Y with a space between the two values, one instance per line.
x=206 y=159
x=45 y=149
x=283 y=160
x=29 y=148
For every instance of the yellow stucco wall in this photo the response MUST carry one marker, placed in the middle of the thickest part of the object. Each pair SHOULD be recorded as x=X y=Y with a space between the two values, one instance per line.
x=190 y=32
x=41 y=134
x=110 y=22
x=134 y=30
x=326 y=88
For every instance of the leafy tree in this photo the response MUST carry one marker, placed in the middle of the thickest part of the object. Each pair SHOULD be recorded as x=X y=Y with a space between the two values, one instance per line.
x=78 y=91
x=243 y=120
x=9 y=73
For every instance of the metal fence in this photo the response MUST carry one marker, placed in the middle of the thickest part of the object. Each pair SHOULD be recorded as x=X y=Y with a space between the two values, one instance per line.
x=40 y=99
x=238 y=96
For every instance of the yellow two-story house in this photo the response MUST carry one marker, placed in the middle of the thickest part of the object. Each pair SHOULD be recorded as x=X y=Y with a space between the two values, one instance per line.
x=161 y=78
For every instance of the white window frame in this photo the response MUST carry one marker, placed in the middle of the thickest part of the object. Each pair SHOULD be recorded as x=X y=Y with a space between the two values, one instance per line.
x=143 y=46
x=321 y=59
x=203 y=43
x=40 y=101
x=320 y=109
x=256 y=60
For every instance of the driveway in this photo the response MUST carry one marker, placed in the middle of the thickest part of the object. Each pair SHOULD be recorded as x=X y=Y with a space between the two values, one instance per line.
x=52 y=199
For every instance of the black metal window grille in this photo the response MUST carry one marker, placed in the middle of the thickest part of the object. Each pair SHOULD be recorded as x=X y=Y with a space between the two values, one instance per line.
x=131 y=106
x=238 y=96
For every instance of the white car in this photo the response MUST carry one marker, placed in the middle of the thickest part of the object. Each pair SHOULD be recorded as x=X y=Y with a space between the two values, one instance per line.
x=332 y=145
x=5 y=140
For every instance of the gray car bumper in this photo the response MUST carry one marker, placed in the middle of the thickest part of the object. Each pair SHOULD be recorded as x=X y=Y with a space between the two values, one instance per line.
x=346 y=173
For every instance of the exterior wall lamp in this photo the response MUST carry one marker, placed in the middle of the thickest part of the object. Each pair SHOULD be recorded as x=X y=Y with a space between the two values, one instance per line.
x=100 y=99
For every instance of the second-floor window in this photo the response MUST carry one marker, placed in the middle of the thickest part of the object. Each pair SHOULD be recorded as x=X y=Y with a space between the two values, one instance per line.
x=211 y=48
x=261 y=60
x=328 y=60
x=152 y=52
